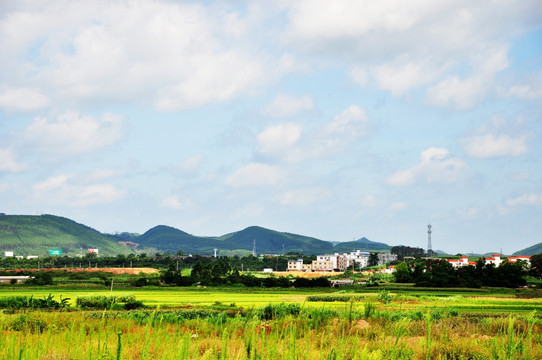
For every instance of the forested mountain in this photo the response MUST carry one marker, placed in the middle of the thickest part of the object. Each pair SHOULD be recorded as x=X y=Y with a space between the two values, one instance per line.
x=36 y=235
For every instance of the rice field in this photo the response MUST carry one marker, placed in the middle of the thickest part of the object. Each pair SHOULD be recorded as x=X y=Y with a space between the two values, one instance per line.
x=191 y=323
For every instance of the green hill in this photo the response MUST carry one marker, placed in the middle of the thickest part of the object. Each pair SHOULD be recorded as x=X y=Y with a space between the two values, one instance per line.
x=36 y=235
x=361 y=244
x=271 y=242
x=166 y=238
x=531 y=250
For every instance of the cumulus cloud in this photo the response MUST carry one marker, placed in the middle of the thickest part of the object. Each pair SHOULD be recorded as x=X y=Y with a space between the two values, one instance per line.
x=277 y=140
x=174 y=203
x=304 y=197
x=173 y=55
x=24 y=99
x=8 y=162
x=255 y=174
x=72 y=133
x=437 y=165
x=402 y=45
x=191 y=164
x=287 y=105
x=287 y=142
x=64 y=191
x=531 y=199
x=496 y=138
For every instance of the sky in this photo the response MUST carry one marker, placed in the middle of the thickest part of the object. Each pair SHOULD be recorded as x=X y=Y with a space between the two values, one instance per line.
x=333 y=119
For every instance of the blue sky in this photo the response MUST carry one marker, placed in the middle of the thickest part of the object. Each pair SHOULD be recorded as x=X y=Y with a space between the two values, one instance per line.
x=333 y=119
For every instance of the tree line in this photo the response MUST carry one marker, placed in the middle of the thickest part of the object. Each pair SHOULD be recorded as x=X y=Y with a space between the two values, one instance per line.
x=440 y=273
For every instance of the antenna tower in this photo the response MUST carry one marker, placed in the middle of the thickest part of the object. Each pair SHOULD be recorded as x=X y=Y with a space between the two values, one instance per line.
x=429 y=249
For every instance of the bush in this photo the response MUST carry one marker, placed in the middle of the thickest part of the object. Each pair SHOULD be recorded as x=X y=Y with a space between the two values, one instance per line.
x=109 y=302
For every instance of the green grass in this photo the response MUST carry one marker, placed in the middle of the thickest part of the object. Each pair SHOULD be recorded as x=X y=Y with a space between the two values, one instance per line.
x=468 y=303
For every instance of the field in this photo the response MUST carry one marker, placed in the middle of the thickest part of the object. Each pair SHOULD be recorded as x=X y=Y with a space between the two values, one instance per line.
x=241 y=323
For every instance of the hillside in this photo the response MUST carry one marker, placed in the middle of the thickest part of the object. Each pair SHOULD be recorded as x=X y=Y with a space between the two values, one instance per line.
x=361 y=244
x=166 y=238
x=36 y=235
x=271 y=242
x=531 y=250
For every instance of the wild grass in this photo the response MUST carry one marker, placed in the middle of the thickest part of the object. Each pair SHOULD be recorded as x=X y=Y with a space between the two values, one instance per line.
x=271 y=332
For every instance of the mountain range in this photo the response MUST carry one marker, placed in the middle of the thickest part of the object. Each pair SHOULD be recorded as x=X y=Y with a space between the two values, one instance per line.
x=36 y=235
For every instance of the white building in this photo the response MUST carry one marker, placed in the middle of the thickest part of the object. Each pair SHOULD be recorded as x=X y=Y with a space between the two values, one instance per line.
x=384 y=258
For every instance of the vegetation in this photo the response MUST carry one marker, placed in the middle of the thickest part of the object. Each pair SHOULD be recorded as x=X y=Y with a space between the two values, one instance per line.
x=36 y=235
x=440 y=273
x=399 y=326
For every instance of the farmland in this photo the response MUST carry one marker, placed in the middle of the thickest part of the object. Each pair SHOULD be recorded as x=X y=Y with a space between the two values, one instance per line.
x=244 y=323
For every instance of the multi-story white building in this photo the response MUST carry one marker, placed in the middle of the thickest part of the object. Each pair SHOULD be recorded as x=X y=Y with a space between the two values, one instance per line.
x=339 y=262
x=384 y=258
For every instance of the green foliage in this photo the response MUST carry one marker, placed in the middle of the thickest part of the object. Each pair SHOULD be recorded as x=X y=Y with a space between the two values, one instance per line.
x=275 y=311
x=334 y=298
x=109 y=302
x=25 y=302
x=384 y=297
x=36 y=235
x=440 y=273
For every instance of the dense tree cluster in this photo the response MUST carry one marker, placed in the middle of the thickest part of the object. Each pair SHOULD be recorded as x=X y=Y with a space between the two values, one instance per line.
x=221 y=272
x=440 y=273
x=158 y=261
x=402 y=251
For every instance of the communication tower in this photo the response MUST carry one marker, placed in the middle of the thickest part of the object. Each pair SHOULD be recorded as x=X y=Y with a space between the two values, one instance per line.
x=429 y=249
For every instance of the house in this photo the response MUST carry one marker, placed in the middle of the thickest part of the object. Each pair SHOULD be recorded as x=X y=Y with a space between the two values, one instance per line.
x=514 y=259
x=19 y=279
x=494 y=259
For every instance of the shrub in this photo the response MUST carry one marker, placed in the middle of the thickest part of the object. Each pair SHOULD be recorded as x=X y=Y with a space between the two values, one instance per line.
x=109 y=302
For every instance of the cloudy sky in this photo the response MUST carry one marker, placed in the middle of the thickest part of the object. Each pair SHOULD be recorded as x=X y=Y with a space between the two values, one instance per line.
x=334 y=119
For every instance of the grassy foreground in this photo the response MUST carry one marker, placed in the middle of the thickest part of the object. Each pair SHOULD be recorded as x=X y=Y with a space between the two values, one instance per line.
x=282 y=324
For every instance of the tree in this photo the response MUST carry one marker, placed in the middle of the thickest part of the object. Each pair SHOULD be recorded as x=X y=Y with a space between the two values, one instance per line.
x=536 y=265
x=402 y=273
x=373 y=259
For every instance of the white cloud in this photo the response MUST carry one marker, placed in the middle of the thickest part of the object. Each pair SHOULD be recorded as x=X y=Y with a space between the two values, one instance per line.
x=398 y=206
x=25 y=99
x=289 y=143
x=398 y=79
x=191 y=164
x=368 y=201
x=72 y=133
x=304 y=197
x=62 y=190
x=174 y=55
x=358 y=75
x=490 y=145
x=8 y=162
x=531 y=199
x=278 y=140
x=286 y=105
x=457 y=93
x=436 y=165
x=352 y=122
x=172 y=202
x=402 y=44
x=496 y=138
x=255 y=174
